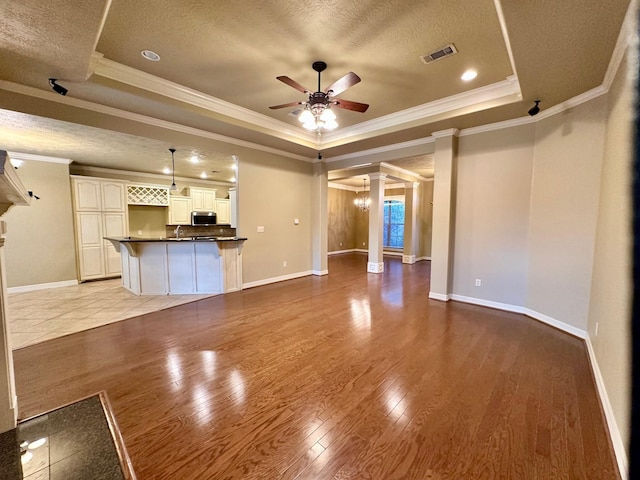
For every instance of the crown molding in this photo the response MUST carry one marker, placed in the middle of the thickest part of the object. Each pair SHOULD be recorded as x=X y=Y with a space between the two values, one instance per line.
x=38 y=158
x=451 y=132
x=505 y=34
x=496 y=94
x=385 y=149
x=136 y=117
x=403 y=171
x=628 y=35
x=136 y=78
x=339 y=186
x=156 y=176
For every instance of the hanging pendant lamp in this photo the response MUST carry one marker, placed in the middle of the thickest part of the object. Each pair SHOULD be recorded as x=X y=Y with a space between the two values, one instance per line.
x=363 y=202
x=173 y=186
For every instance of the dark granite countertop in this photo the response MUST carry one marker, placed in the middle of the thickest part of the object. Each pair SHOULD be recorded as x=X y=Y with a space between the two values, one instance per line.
x=174 y=239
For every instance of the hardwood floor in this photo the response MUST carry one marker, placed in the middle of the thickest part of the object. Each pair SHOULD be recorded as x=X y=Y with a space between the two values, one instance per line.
x=347 y=376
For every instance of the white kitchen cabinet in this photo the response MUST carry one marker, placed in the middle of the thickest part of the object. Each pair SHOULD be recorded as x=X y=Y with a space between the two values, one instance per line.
x=203 y=199
x=179 y=210
x=223 y=210
x=100 y=207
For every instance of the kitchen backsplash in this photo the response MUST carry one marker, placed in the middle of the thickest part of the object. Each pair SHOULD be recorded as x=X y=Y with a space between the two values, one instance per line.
x=210 y=231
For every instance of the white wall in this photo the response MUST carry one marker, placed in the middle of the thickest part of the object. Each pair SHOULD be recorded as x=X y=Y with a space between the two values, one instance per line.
x=565 y=196
x=492 y=215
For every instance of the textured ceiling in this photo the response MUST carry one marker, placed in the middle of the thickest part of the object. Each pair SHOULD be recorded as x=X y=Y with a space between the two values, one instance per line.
x=226 y=56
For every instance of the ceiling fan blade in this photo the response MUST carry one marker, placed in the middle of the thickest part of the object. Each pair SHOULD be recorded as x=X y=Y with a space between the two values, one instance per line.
x=349 y=105
x=285 y=105
x=294 y=84
x=339 y=86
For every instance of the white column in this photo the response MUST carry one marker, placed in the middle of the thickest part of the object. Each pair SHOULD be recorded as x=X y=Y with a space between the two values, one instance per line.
x=376 y=222
x=8 y=400
x=410 y=248
x=444 y=192
x=319 y=219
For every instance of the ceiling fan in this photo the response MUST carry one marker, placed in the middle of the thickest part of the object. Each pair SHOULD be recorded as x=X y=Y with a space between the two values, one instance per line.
x=317 y=113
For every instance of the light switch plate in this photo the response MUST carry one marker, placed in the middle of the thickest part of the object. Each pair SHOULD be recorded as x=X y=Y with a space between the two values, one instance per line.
x=260 y=229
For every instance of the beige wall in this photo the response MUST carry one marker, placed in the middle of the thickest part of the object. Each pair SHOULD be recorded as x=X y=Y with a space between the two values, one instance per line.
x=272 y=192
x=40 y=245
x=611 y=291
x=341 y=219
x=425 y=216
x=147 y=221
x=492 y=215
x=564 y=209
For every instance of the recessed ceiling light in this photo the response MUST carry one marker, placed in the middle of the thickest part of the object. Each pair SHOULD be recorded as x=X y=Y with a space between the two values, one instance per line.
x=233 y=179
x=469 y=75
x=195 y=158
x=150 y=55
x=203 y=175
x=166 y=170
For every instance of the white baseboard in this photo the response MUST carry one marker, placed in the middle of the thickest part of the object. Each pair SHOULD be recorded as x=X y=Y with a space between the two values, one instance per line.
x=392 y=254
x=361 y=250
x=565 y=327
x=614 y=432
x=423 y=258
x=338 y=252
x=320 y=272
x=282 y=278
x=439 y=296
x=41 y=286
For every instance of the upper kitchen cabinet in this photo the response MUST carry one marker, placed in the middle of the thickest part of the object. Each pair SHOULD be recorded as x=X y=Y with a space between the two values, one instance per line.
x=179 y=210
x=223 y=211
x=203 y=199
x=100 y=210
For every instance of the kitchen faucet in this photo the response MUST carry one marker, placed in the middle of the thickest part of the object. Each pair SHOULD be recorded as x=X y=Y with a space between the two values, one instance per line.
x=177 y=231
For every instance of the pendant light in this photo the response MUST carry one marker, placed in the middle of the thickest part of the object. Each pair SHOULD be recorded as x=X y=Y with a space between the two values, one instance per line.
x=363 y=202
x=173 y=186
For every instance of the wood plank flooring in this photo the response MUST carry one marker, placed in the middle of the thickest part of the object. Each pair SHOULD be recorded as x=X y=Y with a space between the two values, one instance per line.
x=347 y=376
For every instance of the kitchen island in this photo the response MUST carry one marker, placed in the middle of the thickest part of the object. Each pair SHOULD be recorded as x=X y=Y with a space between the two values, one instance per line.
x=179 y=266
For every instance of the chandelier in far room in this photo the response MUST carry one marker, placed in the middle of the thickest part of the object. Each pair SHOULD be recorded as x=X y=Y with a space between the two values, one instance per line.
x=363 y=201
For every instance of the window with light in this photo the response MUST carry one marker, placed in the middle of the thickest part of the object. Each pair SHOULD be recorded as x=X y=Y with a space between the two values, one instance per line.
x=393 y=233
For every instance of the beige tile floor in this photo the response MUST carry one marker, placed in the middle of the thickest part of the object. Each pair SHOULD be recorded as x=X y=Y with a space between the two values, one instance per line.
x=44 y=314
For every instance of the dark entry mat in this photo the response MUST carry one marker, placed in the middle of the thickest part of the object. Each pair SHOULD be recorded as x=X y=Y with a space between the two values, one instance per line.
x=79 y=441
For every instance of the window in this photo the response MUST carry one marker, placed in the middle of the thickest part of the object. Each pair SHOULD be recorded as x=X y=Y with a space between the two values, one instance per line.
x=393 y=233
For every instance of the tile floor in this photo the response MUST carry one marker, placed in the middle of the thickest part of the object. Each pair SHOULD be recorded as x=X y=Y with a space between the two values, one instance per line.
x=44 y=314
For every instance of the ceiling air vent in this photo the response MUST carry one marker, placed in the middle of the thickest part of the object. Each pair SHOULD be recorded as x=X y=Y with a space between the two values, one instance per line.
x=443 y=52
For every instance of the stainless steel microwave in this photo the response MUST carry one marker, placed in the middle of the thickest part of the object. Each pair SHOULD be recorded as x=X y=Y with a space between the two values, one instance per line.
x=203 y=219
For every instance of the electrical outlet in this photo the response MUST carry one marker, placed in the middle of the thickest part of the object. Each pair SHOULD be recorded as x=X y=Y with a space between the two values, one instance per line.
x=284 y=264
x=340 y=243
x=363 y=244
x=139 y=232
x=478 y=282
x=260 y=229
x=597 y=325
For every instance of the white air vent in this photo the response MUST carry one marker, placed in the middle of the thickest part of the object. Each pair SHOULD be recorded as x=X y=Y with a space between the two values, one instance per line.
x=443 y=52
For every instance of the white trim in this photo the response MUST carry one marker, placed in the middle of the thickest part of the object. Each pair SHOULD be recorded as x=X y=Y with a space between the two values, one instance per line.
x=402 y=170
x=362 y=250
x=320 y=272
x=496 y=94
x=41 y=286
x=505 y=34
x=628 y=35
x=339 y=186
x=282 y=278
x=375 y=267
x=391 y=253
x=450 y=132
x=136 y=117
x=384 y=149
x=338 y=252
x=157 y=176
x=439 y=296
x=565 y=327
x=409 y=259
x=423 y=258
x=614 y=431
x=130 y=76
x=38 y=158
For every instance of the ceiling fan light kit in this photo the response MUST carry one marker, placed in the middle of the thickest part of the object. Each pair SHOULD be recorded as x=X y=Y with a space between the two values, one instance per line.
x=317 y=114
